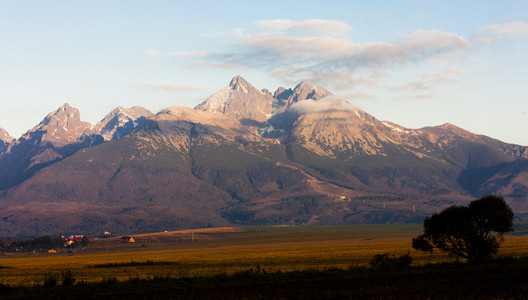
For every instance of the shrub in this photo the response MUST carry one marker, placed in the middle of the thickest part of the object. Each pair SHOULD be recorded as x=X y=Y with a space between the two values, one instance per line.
x=50 y=279
x=384 y=261
x=67 y=278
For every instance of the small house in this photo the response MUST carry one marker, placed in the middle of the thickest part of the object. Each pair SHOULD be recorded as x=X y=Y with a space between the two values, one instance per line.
x=128 y=239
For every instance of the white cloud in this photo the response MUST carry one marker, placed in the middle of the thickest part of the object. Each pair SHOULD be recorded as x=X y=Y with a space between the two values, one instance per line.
x=189 y=53
x=315 y=27
x=339 y=80
x=300 y=48
x=219 y=65
x=511 y=29
x=329 y=54
x=419 y=45
x=174 y=87
x=327 y=104
x=153 y=52
x=427 y=81
x=433 y=41
x=322 y=52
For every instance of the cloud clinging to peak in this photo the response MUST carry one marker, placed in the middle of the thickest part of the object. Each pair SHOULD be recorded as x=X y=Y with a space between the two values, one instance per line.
x=331 y=103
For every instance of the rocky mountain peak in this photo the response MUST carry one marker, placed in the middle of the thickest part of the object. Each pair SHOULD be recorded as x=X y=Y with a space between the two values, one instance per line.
x=240 y=84
x=4 y=136
x=60 y=128
x=121 y=121
x=284 y=98
x=239 y=100
x=305 y=91
x=62 y=115
x=282 y=93
x=5 y=140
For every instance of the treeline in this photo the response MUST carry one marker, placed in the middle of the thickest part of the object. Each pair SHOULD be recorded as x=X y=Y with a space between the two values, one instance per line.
x=43 y=243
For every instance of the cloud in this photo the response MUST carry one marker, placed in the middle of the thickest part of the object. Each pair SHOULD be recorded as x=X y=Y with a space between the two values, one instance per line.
x=327 y=104
x=416 y=47
x=174 y=87
x=185 y=54
x=329 y=55
x=508 y=29
x=189 y=53
x=427 y=82
x=323 y=52
x=153 y=52
x=315 y=27
x=304 y=49
x=340 y=80
x=496 y=32
x=219 y=65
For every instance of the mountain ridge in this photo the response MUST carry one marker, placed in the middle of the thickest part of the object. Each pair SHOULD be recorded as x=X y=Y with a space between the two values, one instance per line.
x=313 y=159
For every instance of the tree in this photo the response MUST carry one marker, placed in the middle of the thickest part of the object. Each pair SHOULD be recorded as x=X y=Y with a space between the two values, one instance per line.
x=473 y=232
x=85 y=241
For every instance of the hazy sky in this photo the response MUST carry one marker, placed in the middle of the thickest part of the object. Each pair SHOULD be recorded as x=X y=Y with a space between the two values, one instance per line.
x=415 y=63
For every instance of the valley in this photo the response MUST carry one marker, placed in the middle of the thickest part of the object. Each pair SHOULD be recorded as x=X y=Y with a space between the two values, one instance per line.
x=223 y=261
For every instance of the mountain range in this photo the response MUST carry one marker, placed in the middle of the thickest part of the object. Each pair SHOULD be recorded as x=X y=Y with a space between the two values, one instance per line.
x=245 y=157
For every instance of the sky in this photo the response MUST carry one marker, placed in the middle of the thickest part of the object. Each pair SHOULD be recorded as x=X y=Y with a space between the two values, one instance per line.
x=414 y=63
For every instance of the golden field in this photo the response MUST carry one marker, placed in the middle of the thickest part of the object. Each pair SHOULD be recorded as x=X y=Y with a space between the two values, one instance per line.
x=227 y=251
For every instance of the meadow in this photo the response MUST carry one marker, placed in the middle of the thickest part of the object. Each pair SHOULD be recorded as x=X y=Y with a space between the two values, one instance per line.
x=229 y=252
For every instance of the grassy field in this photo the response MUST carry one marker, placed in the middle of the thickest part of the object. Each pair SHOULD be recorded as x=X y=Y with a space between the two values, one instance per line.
x=205 y=253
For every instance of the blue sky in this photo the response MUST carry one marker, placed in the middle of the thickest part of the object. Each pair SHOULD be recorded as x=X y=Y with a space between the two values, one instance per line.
x=415 y=63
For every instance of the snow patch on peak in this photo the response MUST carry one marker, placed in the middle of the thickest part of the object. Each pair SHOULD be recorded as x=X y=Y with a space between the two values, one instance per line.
x=398 y=128
x=267 y=130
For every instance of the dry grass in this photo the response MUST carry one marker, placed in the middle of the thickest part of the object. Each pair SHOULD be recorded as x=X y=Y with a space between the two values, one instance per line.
x=228 y=251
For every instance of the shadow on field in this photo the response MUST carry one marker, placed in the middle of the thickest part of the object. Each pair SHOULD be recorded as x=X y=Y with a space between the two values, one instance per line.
x=506 y=277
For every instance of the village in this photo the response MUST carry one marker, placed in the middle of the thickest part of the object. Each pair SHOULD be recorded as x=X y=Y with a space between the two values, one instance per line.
x=48 y=244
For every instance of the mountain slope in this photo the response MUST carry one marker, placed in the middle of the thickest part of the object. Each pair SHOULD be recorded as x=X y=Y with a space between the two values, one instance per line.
x=59 y=135
x=197 y=171
x=352 y=148
x=316 y=160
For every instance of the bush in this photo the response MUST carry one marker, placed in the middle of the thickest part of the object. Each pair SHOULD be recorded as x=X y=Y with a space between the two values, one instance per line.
x=67 y=278
x=50 y=279
x=110 y=281
x=384 y=261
